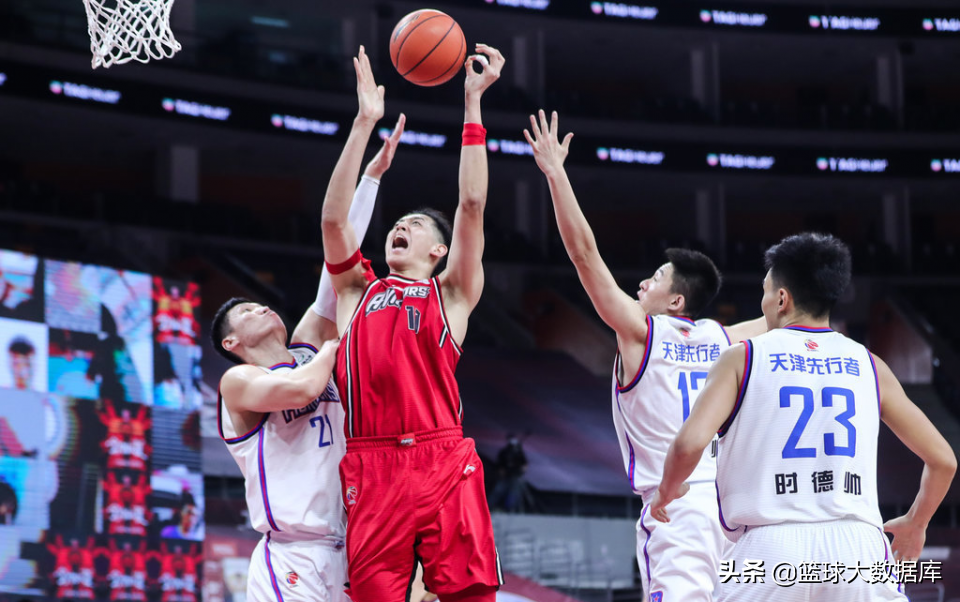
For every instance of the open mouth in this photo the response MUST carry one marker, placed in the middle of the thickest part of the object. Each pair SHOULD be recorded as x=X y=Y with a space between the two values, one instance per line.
x=399 y=242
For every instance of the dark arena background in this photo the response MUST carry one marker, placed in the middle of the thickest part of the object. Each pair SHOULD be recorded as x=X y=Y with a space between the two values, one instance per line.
x=135 y=200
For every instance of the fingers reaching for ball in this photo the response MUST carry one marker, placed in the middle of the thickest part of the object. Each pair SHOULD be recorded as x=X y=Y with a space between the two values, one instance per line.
x=369 y=94
x=490 y=62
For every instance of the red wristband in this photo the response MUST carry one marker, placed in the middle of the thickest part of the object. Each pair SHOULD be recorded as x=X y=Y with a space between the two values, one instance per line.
x=344 y=266
x=474 y=134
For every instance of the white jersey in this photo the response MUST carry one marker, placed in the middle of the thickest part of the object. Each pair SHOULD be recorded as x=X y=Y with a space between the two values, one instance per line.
x=801 y=442
x=290 y=463
x=649 y=410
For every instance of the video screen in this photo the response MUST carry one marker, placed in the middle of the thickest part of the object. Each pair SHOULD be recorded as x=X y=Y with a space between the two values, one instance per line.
x=21 y=280
x=101 y=491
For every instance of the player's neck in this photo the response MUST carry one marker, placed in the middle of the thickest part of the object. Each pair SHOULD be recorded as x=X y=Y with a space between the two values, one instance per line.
x=411 y=272
x=268 y=353
x=802 y=319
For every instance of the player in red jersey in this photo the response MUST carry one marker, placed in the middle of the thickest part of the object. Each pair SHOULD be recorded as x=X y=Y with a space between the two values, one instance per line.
x=126 y=510
x=73 y=569
x=412 y=485
x=126 y=442
x=128 y=570
x=178 y=573
x=174 y=319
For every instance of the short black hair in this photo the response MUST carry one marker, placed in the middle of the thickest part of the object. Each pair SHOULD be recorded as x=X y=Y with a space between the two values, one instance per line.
x=814 y=267
x=695 y=277
x=443 y=227
x=221 y=328
x=21 y=346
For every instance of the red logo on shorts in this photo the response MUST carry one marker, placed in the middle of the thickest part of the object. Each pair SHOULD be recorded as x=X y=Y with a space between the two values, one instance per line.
x=351 y=495
x=293 y=579
x=811 y=345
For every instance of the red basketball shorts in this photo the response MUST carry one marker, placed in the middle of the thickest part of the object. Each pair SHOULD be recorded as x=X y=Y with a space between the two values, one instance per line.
x=416 y=498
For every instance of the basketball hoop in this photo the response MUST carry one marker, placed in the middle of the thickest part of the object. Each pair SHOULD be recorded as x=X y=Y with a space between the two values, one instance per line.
x=132 y=30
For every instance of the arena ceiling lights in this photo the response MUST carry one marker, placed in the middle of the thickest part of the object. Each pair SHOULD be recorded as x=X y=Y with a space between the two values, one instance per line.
x=813 y=19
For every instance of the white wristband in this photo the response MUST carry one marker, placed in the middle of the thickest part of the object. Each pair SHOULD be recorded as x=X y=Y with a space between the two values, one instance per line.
x=361 y=210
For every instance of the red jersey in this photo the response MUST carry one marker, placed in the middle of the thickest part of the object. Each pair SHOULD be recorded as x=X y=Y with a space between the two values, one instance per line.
x=126 y=508
x=396 y=361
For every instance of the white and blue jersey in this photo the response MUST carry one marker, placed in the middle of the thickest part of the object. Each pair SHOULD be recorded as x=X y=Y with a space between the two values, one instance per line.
x=801 y=443
x=290 y=464
x=650 y=408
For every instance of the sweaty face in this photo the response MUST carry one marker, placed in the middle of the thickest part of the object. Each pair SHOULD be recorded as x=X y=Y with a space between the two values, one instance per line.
x=655 y=292
x=250 y=322
x=412 y=239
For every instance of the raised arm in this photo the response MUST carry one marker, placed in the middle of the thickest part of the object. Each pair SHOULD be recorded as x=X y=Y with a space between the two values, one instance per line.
x=617 y=309
x=339 y=239
x=713 y=408
x=247 y=388
x=916 y=431
x=463 y=277
x=319 y=322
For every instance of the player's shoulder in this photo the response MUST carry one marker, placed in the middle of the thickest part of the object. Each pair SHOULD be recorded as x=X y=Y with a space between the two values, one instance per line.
x=302 y=352
x=737 y=358
x=237 y=377
x=688 y=328
x=713 y=328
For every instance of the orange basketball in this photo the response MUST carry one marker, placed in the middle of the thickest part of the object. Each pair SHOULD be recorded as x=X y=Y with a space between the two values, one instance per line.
x=427 y=47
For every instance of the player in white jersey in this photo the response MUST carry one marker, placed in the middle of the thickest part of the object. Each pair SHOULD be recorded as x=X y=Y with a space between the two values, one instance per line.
x=281 y=418
x=660 y=367
x=798 y=410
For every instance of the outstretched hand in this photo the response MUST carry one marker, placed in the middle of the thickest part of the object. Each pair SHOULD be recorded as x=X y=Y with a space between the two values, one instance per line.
x=369 y=94
x=548 y=151
x=384 y=157
x=491 y=63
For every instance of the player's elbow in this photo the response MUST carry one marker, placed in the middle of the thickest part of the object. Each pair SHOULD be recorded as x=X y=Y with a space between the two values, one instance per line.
x=579 y=256
x=583 y=254
x=331 y=219
x=581 y=247
x=945 y=463
x=473 y=200
x=688 y=448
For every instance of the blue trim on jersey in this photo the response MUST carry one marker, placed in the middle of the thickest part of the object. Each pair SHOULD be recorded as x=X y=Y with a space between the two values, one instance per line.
x=723 y=523
x=263 y=484
x=631 y=468
x=283 y=365
x=809 y=328
x=886 y=560
x=273 y=576
x=244 y=437
x=305 y=345
x=643 y=362
x=747 y=370
x=690 y=321
x=876 y=378
x=727 y=336
x=646 y=555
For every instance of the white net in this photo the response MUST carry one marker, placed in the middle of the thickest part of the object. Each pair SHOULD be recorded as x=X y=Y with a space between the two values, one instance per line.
x=129 y=30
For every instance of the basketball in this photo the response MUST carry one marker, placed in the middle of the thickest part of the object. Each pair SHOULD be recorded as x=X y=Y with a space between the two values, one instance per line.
x=427 y=47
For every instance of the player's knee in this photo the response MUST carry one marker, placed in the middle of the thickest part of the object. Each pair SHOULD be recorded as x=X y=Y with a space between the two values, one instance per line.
x=475 y=593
